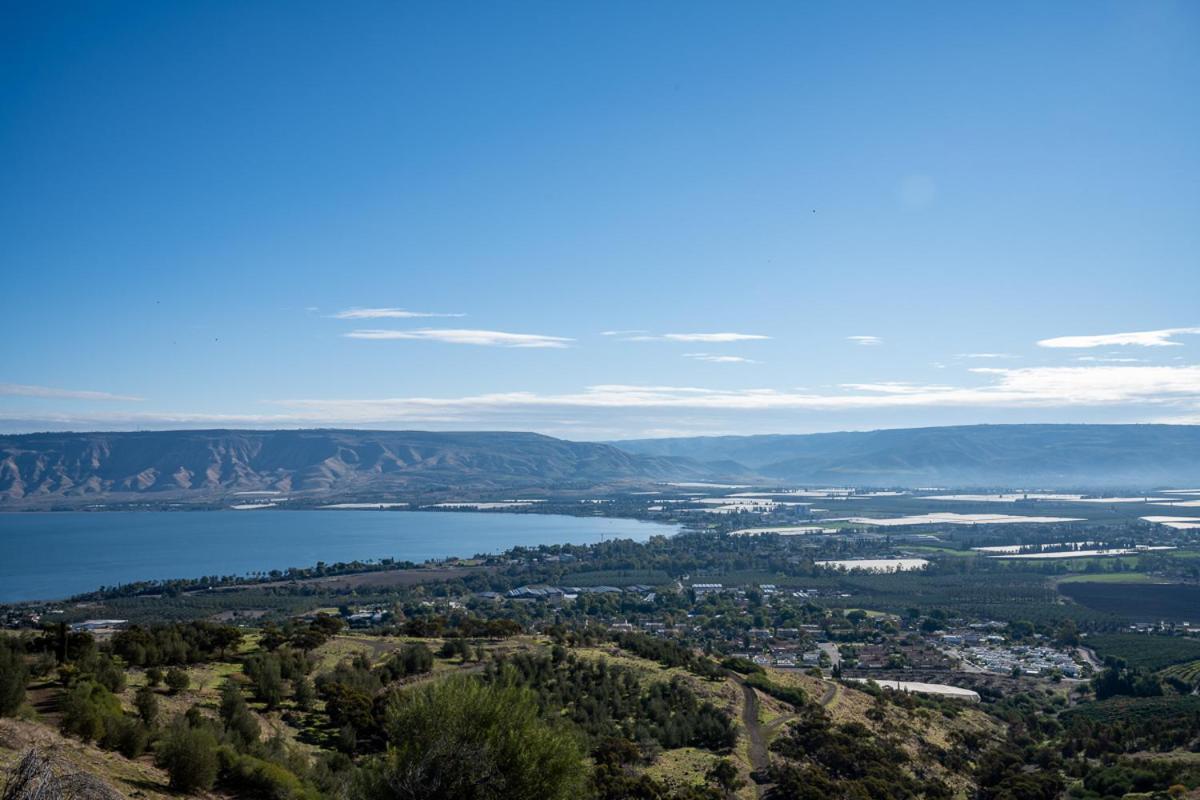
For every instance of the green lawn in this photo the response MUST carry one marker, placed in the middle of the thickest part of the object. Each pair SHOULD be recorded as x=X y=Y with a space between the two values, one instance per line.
x=1110 y=577
x=940 y=551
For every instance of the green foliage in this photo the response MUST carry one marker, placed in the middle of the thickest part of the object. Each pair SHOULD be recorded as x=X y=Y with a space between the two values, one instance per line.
x=14 y=675
x=1186 y=676
x=1144 y=651
x=1116 y=679
x=90 y=711
x=821 y=759
x=249 y=776
x=669 y=654
x=240 y=724
x=412 y=659
x=177 y=680
x=743 y=665
x=1129 y=724
x=266 y=673
x=189 y=755
x=1151 y=601
x=787 y=694
x=462 y=740
x=146 y=703
x=616 y=776
x=154 y=676
x=1140 y=778
x=725 y=776
x=304 y=694
x=180 y=643
x=128 y=735
x=106 y=671
x=608 y=701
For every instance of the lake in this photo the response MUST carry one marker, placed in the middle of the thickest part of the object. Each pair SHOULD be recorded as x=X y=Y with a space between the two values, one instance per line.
x=58 y=554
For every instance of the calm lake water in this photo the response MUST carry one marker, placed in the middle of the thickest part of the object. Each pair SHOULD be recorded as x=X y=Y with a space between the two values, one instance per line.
x=58 y=554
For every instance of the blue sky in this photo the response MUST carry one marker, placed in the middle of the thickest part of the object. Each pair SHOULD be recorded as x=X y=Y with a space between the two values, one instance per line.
x=195 y=195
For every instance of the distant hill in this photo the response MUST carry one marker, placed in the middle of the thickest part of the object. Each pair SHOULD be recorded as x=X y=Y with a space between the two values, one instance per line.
x=57 y=468
x=977 y=455
x=71 y=469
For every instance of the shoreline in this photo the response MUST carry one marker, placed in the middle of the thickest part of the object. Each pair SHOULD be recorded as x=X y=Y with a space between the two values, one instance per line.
x=358 y=561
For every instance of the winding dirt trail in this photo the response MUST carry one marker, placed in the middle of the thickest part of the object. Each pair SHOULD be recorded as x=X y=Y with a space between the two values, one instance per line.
x=759 y=760
x=832 y=692
x=756 y=732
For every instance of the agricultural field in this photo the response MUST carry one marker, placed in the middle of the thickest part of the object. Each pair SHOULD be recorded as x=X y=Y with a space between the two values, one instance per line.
x=1142 y=651
x=1138 y=602
x=1143 y=710
x=1187 y=673
x=1110 y=577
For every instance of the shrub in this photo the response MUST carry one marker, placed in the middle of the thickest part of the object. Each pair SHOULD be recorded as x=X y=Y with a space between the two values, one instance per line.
x=189 y=755
x=463 y=740
x=177 y=680
x=14 y=674
x=91 y=712
x=146 y=703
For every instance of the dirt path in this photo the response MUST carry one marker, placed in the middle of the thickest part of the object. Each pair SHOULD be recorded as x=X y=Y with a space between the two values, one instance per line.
x=779 y=722
x=832 y=692
x=759 y=760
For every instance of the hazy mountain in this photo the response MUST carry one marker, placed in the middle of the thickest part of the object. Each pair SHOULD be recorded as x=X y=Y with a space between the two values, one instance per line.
x=77 y=468
x=976 y=455
x=195 y=465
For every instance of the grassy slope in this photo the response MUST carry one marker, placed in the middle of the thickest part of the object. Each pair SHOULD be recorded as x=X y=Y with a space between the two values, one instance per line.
x=682 y=766
x=915 y=730
x=130 y=778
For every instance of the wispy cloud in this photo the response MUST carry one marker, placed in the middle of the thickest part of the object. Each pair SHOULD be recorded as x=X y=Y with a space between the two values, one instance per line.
x=622 y=333
x=467 y=336
x=48 y=392
x=1159 y=338
x=1170 y=392
x=716 y=358
x=713 y=337
x=866 y=341
x=895 y=387
x=709 y=338
x=1034 y=387
x=1109 y=360
x=388 y=313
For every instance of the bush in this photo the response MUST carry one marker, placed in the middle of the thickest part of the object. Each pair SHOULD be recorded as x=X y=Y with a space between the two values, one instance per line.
x=248 y=776
x=266 y=672
x=239 y=722
x=189 y=755
x=128 y=736
x=91 y=712
x=14 y=674
x=146 y=703
x=787 y=694
x=177 y=680
x=303 y=694
x=742 y=665
x=462 y=740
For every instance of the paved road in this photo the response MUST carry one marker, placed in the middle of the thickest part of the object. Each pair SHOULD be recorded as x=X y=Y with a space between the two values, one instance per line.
x=1089 y=655
x=830 y=649
x=963 y=664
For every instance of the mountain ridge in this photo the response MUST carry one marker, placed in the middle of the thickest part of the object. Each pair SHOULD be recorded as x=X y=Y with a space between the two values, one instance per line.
x=1075 y=456
x=199 y=464
x=65 y=469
